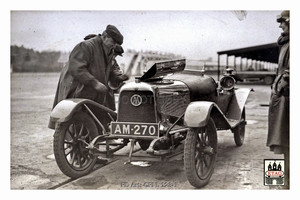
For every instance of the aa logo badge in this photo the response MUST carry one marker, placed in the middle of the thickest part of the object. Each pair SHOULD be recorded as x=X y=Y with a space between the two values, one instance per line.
x=274 y=172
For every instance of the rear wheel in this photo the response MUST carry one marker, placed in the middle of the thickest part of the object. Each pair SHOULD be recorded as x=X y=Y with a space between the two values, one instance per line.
x=239 y=130
x=70 y=142
x=268 y=80
x=200 y=152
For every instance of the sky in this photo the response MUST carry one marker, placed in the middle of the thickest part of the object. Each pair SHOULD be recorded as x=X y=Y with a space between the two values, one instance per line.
x=195 y=34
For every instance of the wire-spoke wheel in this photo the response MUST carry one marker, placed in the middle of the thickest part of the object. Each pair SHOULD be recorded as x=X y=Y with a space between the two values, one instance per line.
x=239 y=130
x=268 y=80
x=200 y=151
x=70 y=141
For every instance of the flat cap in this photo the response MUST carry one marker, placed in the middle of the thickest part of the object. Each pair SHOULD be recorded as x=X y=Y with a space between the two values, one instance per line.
x=284 y=16
x=114 y=33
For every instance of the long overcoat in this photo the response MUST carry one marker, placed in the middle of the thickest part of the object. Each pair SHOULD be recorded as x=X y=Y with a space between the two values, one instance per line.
x=279 y=115
x=89 y=62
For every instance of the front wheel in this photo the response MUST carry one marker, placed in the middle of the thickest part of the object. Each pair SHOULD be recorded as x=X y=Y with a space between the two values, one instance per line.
x=70 y=142
x=200 y=151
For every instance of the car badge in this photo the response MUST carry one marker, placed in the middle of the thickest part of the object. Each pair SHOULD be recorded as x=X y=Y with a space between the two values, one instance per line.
x=136 y=100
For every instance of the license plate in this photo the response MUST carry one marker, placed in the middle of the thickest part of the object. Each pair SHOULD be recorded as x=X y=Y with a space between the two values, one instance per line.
x=135 y=130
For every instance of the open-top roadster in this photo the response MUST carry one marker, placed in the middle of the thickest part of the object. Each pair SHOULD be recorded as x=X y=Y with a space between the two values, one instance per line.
x=160 y=115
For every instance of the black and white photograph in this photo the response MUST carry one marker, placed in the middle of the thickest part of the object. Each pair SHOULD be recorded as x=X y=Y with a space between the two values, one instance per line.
x=141 y=99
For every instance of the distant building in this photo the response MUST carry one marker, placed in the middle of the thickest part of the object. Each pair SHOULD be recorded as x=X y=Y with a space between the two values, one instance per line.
x=64 y=57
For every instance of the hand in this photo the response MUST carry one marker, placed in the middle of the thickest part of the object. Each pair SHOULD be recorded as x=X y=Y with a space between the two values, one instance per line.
x=286 y=75
x=100 y=87
x=124 y=77
x=282 y=85
x=128 y=74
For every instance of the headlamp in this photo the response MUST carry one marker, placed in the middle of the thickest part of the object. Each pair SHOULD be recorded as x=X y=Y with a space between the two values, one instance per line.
x=227 y=82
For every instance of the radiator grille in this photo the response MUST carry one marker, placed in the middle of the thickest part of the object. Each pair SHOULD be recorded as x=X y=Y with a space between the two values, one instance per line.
x=142 y=113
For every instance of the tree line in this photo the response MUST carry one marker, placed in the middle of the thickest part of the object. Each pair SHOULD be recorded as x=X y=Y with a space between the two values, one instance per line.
x=29 y=60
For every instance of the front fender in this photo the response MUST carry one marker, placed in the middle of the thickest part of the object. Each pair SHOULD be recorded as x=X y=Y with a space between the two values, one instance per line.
x=198 y=113
x=65 y=109
x=237 y=103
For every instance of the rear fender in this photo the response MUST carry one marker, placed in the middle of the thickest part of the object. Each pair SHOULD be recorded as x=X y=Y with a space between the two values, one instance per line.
x=65 y=109
x=198 y=113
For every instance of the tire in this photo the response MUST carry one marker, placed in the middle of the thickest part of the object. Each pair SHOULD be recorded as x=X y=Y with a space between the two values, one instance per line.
x=239 y=130
x=69 y=143
x=268 y=80
x=200 y=152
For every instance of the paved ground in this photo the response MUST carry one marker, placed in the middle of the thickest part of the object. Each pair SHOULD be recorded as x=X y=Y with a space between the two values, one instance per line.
x=33 y=166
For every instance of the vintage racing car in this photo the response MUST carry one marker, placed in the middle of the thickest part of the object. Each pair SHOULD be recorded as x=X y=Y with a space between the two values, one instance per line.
x=166 y=112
